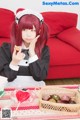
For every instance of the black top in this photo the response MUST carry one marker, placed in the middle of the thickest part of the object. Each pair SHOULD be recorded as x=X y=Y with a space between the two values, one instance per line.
x=38 y=69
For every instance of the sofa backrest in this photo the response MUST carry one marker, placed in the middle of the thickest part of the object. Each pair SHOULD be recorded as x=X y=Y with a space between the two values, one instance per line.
x=59 y=21
x=6 y=19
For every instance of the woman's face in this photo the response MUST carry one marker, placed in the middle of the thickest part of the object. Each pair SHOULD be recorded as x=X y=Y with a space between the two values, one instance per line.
x=28 y=35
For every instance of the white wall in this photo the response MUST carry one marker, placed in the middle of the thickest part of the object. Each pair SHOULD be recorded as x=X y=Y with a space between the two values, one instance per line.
x=37 y=5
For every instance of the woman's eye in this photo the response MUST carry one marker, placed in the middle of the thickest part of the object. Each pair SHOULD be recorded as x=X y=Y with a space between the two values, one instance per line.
x=24 y=29
x=33 y=30
x=29 y=29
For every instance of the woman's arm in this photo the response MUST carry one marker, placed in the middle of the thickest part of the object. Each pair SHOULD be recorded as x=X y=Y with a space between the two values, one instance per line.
x=39 y=68
x=5 y=58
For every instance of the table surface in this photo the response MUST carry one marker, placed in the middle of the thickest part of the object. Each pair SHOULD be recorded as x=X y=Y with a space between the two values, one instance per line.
x=30 y=110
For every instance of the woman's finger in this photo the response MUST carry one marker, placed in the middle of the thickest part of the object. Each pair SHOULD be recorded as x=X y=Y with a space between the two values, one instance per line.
x=14 y=52
x=36 y=38
x=20 y=50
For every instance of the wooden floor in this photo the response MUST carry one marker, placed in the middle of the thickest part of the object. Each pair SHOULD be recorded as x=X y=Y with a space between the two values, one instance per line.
x=63 y=81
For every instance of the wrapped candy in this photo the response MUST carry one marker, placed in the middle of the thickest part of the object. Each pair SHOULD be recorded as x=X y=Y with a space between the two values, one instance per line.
x=3 y=83
x=22 y=96
x=1 y=93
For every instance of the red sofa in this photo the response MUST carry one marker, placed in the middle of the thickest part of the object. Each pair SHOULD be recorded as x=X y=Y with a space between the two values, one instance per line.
x=64 y=41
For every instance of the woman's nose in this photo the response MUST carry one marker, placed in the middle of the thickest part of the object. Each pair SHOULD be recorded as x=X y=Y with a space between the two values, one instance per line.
x=28 y=33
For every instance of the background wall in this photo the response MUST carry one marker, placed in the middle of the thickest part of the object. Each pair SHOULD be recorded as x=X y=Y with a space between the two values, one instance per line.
x=38 y=6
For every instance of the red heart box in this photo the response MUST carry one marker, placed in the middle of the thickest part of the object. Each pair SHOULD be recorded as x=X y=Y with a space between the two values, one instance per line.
x=22 y=95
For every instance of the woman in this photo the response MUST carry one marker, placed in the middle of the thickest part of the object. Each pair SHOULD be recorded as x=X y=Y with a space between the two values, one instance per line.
x=25 y=61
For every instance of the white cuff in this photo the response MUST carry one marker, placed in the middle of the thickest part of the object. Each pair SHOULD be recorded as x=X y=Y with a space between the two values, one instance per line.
x=14 y=67
x=33 y=59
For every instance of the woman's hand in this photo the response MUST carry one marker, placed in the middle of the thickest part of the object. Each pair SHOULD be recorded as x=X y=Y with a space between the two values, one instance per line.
x=32 y=46
x=17 y=56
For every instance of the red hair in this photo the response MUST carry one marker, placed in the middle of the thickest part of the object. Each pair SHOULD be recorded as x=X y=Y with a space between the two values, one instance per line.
x=27 y=22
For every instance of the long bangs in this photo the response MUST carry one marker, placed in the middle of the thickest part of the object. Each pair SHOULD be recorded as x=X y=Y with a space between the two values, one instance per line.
x=27 y=22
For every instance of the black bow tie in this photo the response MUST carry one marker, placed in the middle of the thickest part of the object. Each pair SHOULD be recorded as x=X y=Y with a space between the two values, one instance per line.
x=26 y=52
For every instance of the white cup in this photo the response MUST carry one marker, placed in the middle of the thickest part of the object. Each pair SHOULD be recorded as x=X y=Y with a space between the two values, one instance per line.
x=3 y=82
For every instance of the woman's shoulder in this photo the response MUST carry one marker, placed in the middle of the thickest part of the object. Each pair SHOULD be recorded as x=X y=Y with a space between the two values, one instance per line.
x=6 y=49
x=6 y=46
x=45 y=49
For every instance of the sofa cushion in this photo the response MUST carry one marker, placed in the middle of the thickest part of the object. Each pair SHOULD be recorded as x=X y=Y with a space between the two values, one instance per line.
x=62 y=53
x=59 y=21
x=6 y=19
x=71 y=36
